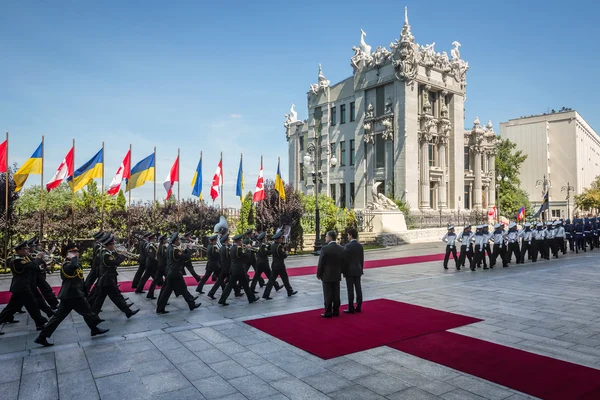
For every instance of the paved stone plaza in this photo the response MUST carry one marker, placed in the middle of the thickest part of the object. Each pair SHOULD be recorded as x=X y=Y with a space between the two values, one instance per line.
x=550 y=308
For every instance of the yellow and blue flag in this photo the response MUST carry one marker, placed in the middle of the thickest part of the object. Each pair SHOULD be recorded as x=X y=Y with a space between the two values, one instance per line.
x=141 y=173
x=197 y=181
x=279 y=186
x=87 y=172
x=33 y=166
x=239 y=188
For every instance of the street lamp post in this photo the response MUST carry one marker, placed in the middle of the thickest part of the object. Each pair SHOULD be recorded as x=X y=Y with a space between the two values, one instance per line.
x=313 y=157
x=499 y=179
x=568 y=189
x=546 y=185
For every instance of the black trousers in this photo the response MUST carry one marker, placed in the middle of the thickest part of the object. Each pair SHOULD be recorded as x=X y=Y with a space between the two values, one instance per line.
x=512 y=248
x=262 y=268
x=80 y=306
x=479 y=257
x=42 y=305
x=91 y=279
x=46 y=291
x=528 y=248
x=331 y=294
x=571 y=241
x=275 y=273
x=174 y=284
x=497 y=252
x=545 y=249
x=554 y=246
x=256 y=268
x=465 y=252
x=580 y=243
x=451 y=250
x=220 y=283
x=148 y=273
x=353 y=285
x=16 y=302
x=114 y=294
x=157 y=280
x=239 y=280
x=138 y=274
x=209 y=272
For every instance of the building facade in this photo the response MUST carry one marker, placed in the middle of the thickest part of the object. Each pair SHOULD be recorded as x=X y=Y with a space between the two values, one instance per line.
x=396 y=126
x=562 y=149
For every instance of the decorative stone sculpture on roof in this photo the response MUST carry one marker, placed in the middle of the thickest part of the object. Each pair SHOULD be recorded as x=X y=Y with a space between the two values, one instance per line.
x=291 y=117
x=404 y=54
x=322 y=83
x=362 y=54
x=379 y=201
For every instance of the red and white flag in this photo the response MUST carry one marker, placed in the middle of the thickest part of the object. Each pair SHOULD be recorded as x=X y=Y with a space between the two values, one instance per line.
x=215 y=188
x=259 y=191
x=65 y=169
x=172 y=178
x=124 y=172
x=3 y=156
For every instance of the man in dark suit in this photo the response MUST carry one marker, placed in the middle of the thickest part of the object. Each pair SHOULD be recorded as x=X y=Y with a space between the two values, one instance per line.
x=329 y=272
x=354 y=261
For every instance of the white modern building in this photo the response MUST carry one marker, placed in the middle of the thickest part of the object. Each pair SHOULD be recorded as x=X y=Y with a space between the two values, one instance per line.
x=561 y=149
x=395 y=126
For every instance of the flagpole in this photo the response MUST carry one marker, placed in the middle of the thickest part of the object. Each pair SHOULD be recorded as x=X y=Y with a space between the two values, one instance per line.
x=199 y=177
x=154 y=177
x=242 y=177
x=264 y=194
x=42 y=195
x=222 y=179
x=178 y=188
x=73 y=192
x=7 y=183
x=129 y=201
x=102 y=206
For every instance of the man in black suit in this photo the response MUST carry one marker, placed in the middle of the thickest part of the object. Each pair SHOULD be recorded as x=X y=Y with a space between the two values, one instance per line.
x=354 y=258
x=329 y=272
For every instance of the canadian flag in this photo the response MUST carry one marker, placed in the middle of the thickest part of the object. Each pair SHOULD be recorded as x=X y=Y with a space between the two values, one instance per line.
x=172 y=178
x=259 y=191
x=65 y=169
x=124 y=172
x=217 y=181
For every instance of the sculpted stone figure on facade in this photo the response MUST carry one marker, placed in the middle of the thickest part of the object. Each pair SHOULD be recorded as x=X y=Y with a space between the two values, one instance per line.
x=388 y=130
x=388 y=106
x=322 y=83
x=362 y=54
x=291 y=117
x=379 y=201
x=404 y=54
x=370 y=111
x=380 y=56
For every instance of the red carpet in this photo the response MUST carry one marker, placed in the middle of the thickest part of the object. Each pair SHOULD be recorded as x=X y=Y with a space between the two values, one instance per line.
x=530 y=373
x=299 y=271
x=382 y=322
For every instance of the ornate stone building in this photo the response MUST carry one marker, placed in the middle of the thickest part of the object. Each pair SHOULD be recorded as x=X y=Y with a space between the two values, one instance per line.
x=396 y=126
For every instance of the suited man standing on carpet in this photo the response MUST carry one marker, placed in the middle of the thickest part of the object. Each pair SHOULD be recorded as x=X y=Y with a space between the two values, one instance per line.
x=353 y=270
x=329 y=271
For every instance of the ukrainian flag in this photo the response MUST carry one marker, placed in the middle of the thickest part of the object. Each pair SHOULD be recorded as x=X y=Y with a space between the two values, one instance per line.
x=87 y=172
x=279 y=183
x=141 y=173
x=31 y=166
x=197 y=181
x=239 y=187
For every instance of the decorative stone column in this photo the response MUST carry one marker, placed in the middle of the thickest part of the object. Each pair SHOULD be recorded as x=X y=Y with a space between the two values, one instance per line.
x=425 y=138
x=491 y=154
x=442 y=142
x=477 y=186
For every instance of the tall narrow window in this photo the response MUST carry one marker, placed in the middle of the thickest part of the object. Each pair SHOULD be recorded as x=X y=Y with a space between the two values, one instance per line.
x=352 y=194
x=343 y=195
x=379 y=101
x=467 y=196
x=333 y=116
x=332 y=190
x=352 y=151
x=432 y=155
x=467 y=159
x=379 y=151
x=352 y=112
x=342 y=153
x=342 y=114
x=301 y=141
x=301 y=167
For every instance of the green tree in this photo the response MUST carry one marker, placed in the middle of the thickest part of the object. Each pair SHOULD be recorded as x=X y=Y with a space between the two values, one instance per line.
x=508 y=164
x=246 y=215
x=589 y=199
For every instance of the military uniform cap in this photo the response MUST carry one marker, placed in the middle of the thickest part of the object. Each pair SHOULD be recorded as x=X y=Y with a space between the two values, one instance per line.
x=247 y=241
x=556 y=223
x=224 y=238
x=237 y=237
x=70 y=247
x=497 y=226
x=450 y=227
x=512 y=225
x=105 y=237
x=539 y=225
x=32 y=242
x=526 y=224
x=261 y=236
x=21 y=245
x=187 y=234
x=549 y=223
x=109 y=240
x=248 y=232
x=467 y=226
x=98 y=235
x=161 y=238
x=213 y=237
x=174 y=237
x=277 y=235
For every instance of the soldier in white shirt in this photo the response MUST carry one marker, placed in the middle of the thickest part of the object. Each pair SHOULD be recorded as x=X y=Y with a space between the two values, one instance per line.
x=553 y=243
x=527 y=242
x=512 y=242
x=538 y=241
x=499 y=249
x=561 y=236
x=450 y=240
x=466 y=249
x=479 y=247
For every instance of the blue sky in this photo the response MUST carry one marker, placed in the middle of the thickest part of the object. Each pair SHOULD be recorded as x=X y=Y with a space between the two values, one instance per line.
x=219 y=76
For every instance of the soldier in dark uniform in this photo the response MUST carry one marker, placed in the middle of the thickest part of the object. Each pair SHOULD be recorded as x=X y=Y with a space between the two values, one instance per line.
x=225 y=258
x=40 y=264
x=94 y=268
x=253 y=258
x=569 y=234
x=579 y=236
x=188 y=238
x=262 y=263
x=72 y=297
x=107 y=283
x=151 y=268
x=213 y=263
x=239 y=276
x=595 y=232
x=142 y=260
x=589 y=237
x=161 y=260
x=278 y=267
x=94 y=288
x=22 y=269
x=176 y=259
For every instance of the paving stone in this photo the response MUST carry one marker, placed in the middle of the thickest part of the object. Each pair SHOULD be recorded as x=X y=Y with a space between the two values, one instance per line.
x=231 y=347
x=352 y=370
x=543 y=332
x=152 y=367
x=198 y=345
x=10 y=390
x=11 y=369
x=412 y=393
x=180 y=355
x=212 y=356
x=185 y=336
x=480 y=387
x=165 y=382
x=188 y=393
x=355 y=392
x=165 y=342
x=303 y=369
x=295 y=389
x=269 y=372
x=381 y=384
x=214 y=387
x=211 y=335
x=38 y=363
x=247 y=359
x=459 y=394
x=122 y=386
x=436 y=387
x=364 y=358
x=39 y=386
x=229 y=369
x=328 y=382
x=195 y=370
x=253 y=387
x=77 y=385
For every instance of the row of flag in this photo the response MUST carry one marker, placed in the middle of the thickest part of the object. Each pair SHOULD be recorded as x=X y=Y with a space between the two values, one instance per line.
x=142 y=172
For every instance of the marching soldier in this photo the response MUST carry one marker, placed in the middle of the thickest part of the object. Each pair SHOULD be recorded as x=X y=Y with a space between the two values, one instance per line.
x=549 y=242
x=278 y=267
x=450 y=240
x=40 y=265
x=579 y=236
x=538 y=241
x=253 y=258
x=587 y=233
x=512 y=244
x=142 y=260
x=22 y=269
x=479 y=244
x=262 y=263
x=466 y=249
x=225 y=258
x=94 y=288
x=527 y=245
x=159 y=278
x=213 y=263
x=187 y=238
x=498 y=239
x=151 y=263
x=239 y=277
x=108 y=286
x=560 y=237
x=94 y=268
x=570 y=235
x=176 y=259
x=595 y=232
x=72 y=297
